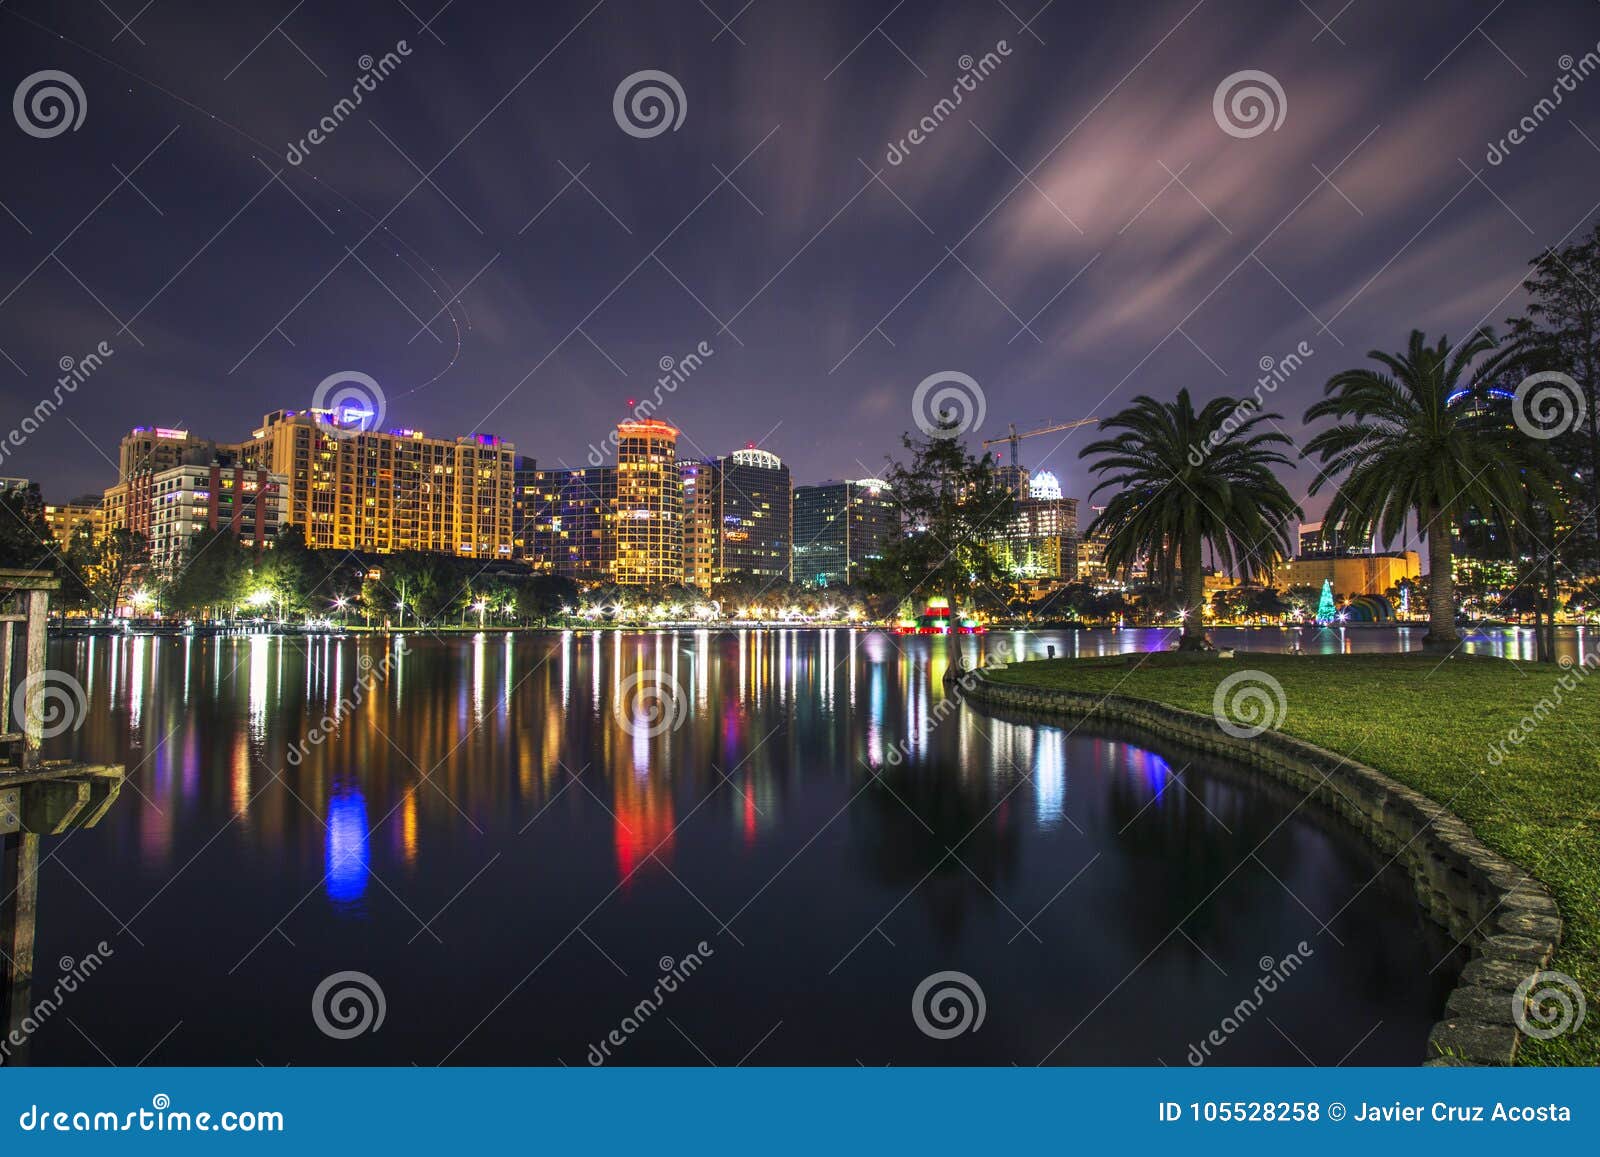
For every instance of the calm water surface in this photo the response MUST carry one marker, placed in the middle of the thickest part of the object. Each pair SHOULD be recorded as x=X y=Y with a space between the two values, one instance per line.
x=482 y=835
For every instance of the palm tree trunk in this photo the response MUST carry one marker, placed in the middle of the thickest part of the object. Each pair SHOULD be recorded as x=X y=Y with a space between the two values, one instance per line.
x=1441 y=587
x=1194 y=595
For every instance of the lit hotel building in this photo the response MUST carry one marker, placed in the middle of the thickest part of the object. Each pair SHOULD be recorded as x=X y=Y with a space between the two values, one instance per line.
x=1042 y=542
x=649 y=522
x=737 y=513
x=353 y=489
x=838 y=527
x=65 y=520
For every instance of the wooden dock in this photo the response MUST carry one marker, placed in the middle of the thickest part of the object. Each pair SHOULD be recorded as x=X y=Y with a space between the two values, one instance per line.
x=38 y=798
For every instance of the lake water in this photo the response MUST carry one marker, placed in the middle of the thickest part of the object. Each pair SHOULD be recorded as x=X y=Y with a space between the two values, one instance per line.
x=501 y=835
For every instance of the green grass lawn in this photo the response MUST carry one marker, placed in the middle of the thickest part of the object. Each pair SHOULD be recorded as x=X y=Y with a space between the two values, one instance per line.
x=1432 y=725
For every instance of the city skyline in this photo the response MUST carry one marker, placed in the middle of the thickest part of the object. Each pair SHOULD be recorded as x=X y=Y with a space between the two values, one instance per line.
x=1083 y=187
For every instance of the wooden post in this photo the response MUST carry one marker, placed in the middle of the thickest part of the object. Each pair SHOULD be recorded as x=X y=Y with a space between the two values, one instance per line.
x=19 y=912
x=33 y=709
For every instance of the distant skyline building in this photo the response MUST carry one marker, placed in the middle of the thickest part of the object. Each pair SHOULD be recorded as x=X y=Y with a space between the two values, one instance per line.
x=839 y=526
x=1041 y=545
x=65 y=519
x=738 y=515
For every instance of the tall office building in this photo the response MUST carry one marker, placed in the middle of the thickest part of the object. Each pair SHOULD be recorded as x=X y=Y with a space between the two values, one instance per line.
x=222 y=495
x=737 y=518
x=524 y=501
x=352 y=489
x=571 y=524
x=649 y=521
x=1042 y=542
x=838 y=527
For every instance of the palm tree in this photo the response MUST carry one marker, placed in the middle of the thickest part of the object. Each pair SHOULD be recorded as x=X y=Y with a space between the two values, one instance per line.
x=1187 y=479
x=1405 y=445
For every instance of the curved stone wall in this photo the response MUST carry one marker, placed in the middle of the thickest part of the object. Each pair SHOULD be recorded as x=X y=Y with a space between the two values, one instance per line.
x=1500 y=911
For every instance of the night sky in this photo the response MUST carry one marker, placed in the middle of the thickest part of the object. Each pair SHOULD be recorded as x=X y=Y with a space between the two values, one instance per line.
x=1079 y=230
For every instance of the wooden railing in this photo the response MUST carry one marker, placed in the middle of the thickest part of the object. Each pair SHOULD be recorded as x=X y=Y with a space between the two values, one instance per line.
x=24 y=605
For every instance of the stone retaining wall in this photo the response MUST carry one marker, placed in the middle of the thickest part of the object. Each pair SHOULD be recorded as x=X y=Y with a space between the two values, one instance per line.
x=1486 y=902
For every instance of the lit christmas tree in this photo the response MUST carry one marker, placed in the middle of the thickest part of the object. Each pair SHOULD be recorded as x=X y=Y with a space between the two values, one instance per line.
x=1326 y=611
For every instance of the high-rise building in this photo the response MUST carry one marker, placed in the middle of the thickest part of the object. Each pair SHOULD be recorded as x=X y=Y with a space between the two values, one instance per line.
x=189 y=500
x=838 y=527
x=737 y=518
x=354 y=489
x=158 y=448
x=649 y=521
x=571 y=524
x=1042 y=542
x=524 y=501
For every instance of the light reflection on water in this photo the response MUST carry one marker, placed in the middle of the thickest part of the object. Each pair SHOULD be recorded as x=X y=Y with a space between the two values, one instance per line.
x=487 y=779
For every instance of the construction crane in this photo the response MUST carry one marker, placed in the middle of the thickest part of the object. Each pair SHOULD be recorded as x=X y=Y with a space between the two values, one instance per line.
x=1013 y=437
